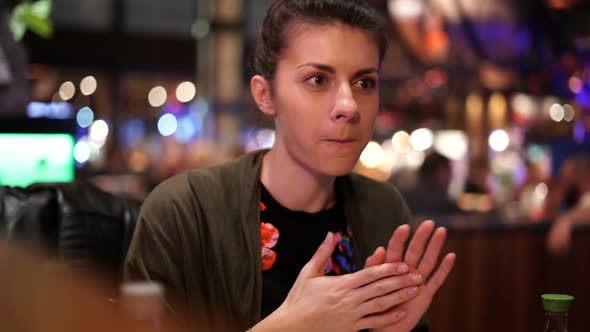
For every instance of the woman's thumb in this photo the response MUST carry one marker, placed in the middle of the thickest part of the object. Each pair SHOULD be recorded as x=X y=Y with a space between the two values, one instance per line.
x=315 y=266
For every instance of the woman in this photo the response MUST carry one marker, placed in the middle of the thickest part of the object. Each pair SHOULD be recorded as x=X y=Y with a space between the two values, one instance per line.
x=246 y=242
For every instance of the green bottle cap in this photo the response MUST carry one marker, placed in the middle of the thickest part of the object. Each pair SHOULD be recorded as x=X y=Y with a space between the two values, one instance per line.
x=557 y=302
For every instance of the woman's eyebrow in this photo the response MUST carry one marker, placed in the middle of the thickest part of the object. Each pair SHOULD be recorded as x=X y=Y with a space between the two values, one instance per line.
x=330 y=69
x=319 y=66
x=366 y=71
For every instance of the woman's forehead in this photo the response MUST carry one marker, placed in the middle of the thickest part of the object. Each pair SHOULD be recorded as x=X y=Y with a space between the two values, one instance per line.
x=331 y=44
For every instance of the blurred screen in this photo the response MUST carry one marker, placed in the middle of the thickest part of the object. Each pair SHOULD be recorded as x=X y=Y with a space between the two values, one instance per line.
x=33 y=158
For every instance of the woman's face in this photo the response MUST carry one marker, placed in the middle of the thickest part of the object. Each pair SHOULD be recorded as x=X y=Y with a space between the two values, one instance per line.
x=325 y=96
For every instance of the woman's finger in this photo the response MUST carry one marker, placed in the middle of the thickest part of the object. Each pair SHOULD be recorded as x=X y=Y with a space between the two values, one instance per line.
x=373 y=273
x=381 y=319
x=441 y=273
x=315 y=266
x=385 y=286
x=378 y=257
x=386 y=302
x=418 y=243
x=430 y=258
x=397 y=243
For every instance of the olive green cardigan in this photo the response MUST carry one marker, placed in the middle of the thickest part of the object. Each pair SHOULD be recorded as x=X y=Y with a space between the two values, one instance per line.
x=198 y=233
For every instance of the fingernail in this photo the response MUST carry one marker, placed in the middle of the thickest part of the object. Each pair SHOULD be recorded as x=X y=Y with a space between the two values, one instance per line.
x=328 y=237
x=403 y=268
x=412 y=291
x=416 y=277
x=401 y=314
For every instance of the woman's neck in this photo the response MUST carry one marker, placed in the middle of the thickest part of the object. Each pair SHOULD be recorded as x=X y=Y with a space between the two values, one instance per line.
x=293 y=186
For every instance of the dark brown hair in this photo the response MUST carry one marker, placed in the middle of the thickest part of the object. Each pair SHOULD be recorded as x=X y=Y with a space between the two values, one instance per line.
x=272 y=37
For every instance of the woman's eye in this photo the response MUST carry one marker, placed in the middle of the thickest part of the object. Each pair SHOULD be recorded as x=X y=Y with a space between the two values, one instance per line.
x=317 y=80
x=366 y=84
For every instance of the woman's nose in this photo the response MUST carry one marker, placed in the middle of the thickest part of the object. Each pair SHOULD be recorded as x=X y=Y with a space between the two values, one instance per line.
x=345 y=107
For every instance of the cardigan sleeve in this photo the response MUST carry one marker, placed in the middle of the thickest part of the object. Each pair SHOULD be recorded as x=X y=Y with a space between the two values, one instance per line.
x=152 y=256
x=155 y=252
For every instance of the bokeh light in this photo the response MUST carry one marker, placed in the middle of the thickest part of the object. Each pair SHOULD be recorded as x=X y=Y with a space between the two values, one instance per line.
x=81 y=152
x=575 y=84
x=84 y=117
x=167 y=124
x=372 y=156
x=556 y=112
x=524 y=107
x=569 y=113
x=88 y=85
x=499 y=140
x=189 y=126
x=405 y=9
x=186 y=91
x=422 y=139
x=541 y=191
x=401 y=142
x=99 y=131
x=157 y=96
x=67 y=91
x=451 y=143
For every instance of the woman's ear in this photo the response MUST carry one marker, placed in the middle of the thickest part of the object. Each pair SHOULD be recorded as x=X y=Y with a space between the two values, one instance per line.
x=261 y=92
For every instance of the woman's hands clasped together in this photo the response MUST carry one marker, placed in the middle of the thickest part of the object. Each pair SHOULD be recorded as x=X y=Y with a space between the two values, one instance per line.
x=389 y=294
x=350 y=302
x=421 y=258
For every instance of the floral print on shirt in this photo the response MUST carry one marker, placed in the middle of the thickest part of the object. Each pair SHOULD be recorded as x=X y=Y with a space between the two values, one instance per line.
x=269 y=235
x=341 y=262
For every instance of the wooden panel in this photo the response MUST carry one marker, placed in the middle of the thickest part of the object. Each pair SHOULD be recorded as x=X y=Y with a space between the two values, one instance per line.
x=499 y=277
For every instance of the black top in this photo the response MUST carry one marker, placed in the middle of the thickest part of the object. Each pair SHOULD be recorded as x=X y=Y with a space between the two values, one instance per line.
x=289 y=240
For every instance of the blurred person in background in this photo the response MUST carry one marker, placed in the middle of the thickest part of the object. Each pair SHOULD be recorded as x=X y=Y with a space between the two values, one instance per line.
x=477 y=178
x=576 y=175
x=534 y=176
x=430 y=194
x=563 y=192
x=531 y=201
x=246 y=241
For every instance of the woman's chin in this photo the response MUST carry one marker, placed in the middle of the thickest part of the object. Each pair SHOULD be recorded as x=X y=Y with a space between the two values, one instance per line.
x=338 y=167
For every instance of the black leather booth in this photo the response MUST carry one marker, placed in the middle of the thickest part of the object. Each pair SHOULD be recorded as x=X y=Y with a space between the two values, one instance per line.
x=76 y=222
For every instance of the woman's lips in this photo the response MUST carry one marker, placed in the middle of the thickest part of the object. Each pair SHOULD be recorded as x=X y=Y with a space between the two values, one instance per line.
x=340 y=144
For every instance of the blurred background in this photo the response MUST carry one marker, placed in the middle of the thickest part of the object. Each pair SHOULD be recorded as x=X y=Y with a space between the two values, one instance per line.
x=147 y=89
x=484 y=104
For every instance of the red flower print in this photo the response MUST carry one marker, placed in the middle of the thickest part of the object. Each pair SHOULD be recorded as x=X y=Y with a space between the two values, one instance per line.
x=268 y=258
x=269 y=235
